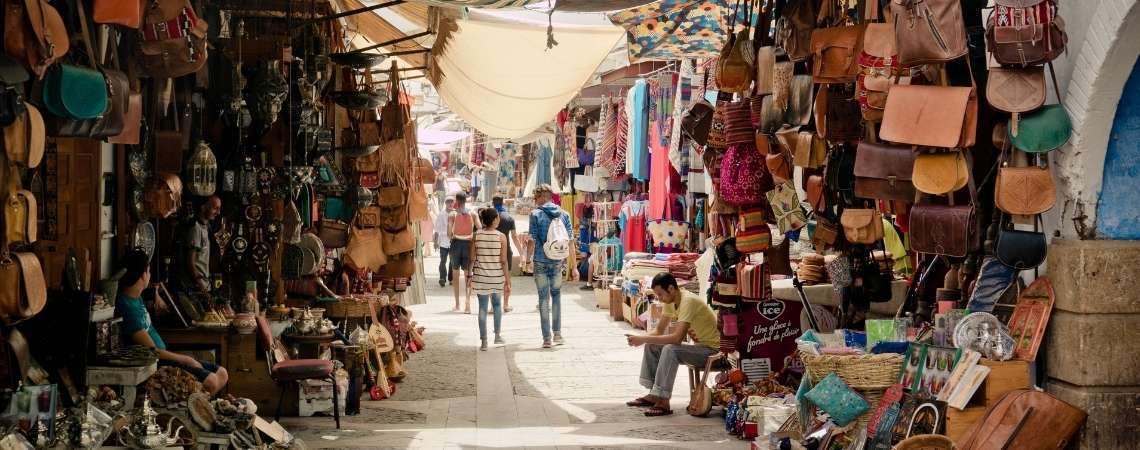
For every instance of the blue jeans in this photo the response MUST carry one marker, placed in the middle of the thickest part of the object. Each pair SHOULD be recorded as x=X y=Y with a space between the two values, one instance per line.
x=496 y=302
x=548 y=280
x=993 y=280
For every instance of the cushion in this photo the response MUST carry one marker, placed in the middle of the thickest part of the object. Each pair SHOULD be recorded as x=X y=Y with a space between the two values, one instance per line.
x=834 y=397
x=302 y=369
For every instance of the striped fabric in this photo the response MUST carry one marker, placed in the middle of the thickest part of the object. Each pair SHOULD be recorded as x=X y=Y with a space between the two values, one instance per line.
x=755 y=283
x=754 y=241
x=487 y=276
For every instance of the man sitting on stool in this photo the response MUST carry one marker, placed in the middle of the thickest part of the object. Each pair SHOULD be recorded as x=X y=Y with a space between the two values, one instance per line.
x=138 y=328
x=664 y=352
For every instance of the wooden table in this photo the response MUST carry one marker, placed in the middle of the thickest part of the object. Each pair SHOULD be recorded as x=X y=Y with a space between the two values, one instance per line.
x=127 y=377
x=213 y=338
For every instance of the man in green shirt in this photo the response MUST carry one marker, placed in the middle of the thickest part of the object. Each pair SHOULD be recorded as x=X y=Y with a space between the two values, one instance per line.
x=685 y=315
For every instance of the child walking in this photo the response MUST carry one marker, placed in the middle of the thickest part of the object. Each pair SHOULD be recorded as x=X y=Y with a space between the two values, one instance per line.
x=489 y=272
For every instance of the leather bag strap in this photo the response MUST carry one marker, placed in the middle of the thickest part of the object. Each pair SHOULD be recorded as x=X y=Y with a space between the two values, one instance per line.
x=19 y=346
x=86 y=33
x=35 y=288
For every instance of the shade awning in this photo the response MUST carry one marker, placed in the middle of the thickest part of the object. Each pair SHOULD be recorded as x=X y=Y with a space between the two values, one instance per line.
x=378 y=30
x=431 y=137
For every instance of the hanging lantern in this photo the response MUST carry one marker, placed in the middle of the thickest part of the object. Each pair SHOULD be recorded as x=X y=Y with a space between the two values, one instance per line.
x=203 y=171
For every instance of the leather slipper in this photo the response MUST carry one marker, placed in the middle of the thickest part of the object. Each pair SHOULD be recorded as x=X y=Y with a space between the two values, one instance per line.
x=639 y=403
x=657 y=412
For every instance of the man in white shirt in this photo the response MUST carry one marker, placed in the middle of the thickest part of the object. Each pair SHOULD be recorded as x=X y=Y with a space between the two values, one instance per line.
x=443 y=242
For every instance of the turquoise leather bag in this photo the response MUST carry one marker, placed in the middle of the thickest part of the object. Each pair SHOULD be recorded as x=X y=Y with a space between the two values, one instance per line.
x=75 y=92
x=1043 y=130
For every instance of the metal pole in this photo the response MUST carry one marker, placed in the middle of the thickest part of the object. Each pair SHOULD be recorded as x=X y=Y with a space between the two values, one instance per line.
x=352 y=12
x=392 y=42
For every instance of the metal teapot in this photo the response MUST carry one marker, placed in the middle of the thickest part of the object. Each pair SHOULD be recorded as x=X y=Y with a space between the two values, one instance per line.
x=146 y=433
x=305 y=322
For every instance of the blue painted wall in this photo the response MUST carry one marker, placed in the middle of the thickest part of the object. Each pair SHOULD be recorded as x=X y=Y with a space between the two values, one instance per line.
x=1118 y=212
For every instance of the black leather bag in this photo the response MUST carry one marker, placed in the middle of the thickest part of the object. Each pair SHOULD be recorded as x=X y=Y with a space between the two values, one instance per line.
x=12 y=79
x=697 y=121
x=1021 y=249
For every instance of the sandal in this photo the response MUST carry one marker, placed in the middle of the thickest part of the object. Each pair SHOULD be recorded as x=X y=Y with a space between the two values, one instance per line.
x=657 y=411
x=639 y=403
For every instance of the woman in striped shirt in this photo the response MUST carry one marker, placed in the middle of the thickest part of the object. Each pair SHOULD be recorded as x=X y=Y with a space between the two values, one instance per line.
x=489 y=272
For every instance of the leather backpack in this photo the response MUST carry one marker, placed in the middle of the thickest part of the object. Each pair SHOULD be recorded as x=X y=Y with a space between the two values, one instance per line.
x=34 y=32
x=1025 y=32
x=835 y=53
x=934 y=31
x=173 y=41
x=879 y=69
x=735 y=69
x=794 y=30
x=883 y=171
x=1025 y=419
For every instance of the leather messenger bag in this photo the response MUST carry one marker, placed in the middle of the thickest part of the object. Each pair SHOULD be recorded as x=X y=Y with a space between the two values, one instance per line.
x=931 y=116
x=950 y=230
x=883 y=171
x=1025 y=419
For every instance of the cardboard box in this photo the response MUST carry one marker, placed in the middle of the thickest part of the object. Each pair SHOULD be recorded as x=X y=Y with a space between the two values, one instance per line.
x=602 y=296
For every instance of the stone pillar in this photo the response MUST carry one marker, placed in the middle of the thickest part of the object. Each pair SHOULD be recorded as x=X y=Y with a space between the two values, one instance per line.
x=1092 y=351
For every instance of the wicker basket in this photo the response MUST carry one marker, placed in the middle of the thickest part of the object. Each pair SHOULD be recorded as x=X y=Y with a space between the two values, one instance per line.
x=869 y=375
x=346 y=308
x=926 y=442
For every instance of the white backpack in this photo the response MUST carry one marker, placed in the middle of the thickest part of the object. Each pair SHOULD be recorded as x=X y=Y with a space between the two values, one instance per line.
x=557 y=246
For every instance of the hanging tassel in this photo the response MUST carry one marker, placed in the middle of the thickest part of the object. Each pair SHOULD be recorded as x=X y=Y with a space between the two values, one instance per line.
x=550 y=42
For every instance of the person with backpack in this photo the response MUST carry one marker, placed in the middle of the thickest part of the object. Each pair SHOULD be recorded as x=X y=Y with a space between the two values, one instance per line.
x=550 y=228
x=460 y=229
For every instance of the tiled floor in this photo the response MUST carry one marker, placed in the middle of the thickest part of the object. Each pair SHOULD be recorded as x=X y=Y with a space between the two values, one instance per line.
x=518 y=395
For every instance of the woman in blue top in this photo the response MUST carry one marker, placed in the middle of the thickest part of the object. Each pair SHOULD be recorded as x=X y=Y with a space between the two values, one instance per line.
x=138 y=328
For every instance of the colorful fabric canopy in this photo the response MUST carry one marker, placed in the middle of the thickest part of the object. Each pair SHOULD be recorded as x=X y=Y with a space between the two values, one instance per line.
x=672 y=29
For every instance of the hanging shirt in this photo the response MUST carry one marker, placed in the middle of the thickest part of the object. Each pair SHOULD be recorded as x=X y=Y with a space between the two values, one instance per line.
x=633 y=225
x=637 y=157
x=664 y=183
x=544 y=163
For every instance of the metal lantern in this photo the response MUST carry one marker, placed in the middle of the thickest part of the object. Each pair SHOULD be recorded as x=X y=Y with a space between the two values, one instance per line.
x=203 y=171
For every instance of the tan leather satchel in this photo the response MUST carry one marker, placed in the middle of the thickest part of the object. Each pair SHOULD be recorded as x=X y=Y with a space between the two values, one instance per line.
x=364 y=250
x=862 y=226
x=940 y=173
x=1016 y=90
x=24 y=138
x=765 y=65
x=20 y=217
x=1024 y=190
x=931 y=116
x=35 y=32
x=835 y=53
x=735 y=72
x=24 y=291
x=1025 y=419
x=809 y=150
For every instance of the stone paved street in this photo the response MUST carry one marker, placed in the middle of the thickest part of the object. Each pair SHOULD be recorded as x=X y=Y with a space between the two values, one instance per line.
x=518 y=395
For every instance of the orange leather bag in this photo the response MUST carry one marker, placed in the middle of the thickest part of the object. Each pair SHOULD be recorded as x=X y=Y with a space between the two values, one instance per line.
x=35 y=33
x=931 y=116
x=862 y=226
x=835 y=53
x=127 y=13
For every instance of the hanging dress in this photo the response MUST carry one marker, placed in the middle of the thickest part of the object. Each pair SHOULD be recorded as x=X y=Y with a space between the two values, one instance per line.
x=633 y=233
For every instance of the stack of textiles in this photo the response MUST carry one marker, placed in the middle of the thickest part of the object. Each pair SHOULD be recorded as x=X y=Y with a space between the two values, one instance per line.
x=683 y=266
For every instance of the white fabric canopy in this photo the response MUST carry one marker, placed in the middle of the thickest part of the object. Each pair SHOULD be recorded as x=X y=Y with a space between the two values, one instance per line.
x=500 y=77
x=430 y=136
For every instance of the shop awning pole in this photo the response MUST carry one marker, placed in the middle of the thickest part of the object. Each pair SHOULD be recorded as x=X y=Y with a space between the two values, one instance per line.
x=351 y=12
x=392 y=42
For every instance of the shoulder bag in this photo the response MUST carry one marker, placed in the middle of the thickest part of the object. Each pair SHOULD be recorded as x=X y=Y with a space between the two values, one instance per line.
x=931 y=116
x=744 y=176
x=934 y=31
x=24 y=138
x=837 y=114
x=950 y=230
x=1043 y=130
x=364 y=249
x=35 y=33
x=333 y=233
x=1025 y=418
x=941 y=172
x=1024 y=190
x=765 y=68
x=835 y=53
x=113 y=91
x=815 y=193
x=1016 y=90
x=794 y=30
x=1020 y=249
x=1025 y=32
x=20 y=217
x=735 y=68
x=24 y=291
x=883 y=171
x=173 y=41
x=785 y=203
x=862 y=226
x=398 y=266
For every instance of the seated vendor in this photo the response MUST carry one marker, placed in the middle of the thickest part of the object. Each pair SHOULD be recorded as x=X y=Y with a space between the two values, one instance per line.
x=685 y=314
x=138 y=328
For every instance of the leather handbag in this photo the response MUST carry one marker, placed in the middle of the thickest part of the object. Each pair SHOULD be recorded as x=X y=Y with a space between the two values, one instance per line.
x=110 y=123
x=815 y=193
x=779 y=165
x=24 y=139
x=391 y=196
x=1025 y=32
x=398 y=266
x=163 y=195
x=765 y=68
x=333 y=233
x=12 y=79
x=173 y=41
x=1024 y=190
x=127 y=13
x=771 y=115
x=1020 y=249
x=794 y=30
x=35 y=33
x=883 y=171
x=862 y=226
x=940 y=173
x=878 y=65
x=697 y=120
x=132 y=122
x=1024 y=418
x=24 y=291
x=785 y=203
x=800 y=101
x=934 y=31
x=835 y=53
x=950 y=230
x=1041 y=131
x=368 y=216
x=735 y=72
x=826 y=233
x=398 y=241
x=364 y=250
x=931 y=116
x=74 y=92
x=1016 y=90
x=837 y=113
x=20 y=214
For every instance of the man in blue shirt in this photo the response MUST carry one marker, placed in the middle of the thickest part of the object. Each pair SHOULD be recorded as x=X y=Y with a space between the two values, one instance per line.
x=547 y=271
x=138 y=328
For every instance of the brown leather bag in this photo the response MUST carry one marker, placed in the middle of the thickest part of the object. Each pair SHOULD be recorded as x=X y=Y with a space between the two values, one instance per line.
x=735 y=71
x=815 y=193
x=35 y=33
x=934 y=31
x=173 y=41
x=132 y=122
x=765 y=68
x=397 y=242
x=883 y=171
x=931 y=116
x=837 y=114
x=950 y=230
x=835 y=53
x=364 y=249
x=1024 y=44
x=1025 y=419
x=20 y=217
x=333 y=233
x=127 y=13
x=24 y=138
x=1024 y=190
x=163 y=195
x=24 y=291
x=794 y=30
x=940 y=173
x=1016 y=90
x=425 y=173
x=780 y=166
x=800 y=102
x=398 y=266
x=862 y=226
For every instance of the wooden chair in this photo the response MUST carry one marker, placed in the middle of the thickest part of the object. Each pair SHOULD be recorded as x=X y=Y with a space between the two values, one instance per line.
x=290 y=371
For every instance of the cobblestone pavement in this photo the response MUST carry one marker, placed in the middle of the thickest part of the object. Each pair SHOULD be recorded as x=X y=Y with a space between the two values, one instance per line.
x=518 y=395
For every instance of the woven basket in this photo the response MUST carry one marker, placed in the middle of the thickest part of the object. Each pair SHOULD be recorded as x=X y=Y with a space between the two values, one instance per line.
x=869 y=375
x=346 y=308
x=926 y=442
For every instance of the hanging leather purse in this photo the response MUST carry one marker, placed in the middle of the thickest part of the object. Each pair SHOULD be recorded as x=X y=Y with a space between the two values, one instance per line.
x=334 y=233
x=697 y=120
x=771 y=116
x=934 y=31
x=132 y=122
x=24 y=139
x=1025 y=32
x=1024 y=190
x=1043 y=130
x=779 y=165
x=950 y=230
x=735 y=74
x=163 y=195
x=826 y=233
x=800 y=102
x=940 y=173
x=20 y=217
x=883 y=171
x=24 y=291
x=862 y=226
x=835 y=53
x=1015 y=90
x=173 y=39
x=878 y=64
x=399 y=241
x=398 y=266
x=1020 y=249
x=34 y=32
x=931 y=116
x=74 y=92
x=424 y=172
x=815 y=193
x=364 y=250
x=837 y=114
x=127 y=13
x=12 y=79
x=765 y=68
x=794 y=30
x=368 y=216
x=418 y=203
x=115 y=88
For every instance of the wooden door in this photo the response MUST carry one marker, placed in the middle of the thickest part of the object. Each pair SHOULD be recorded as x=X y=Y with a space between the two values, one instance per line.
x=69 y=201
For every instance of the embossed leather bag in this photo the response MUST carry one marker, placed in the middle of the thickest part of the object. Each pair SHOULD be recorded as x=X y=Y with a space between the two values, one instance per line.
x=931 y=116
x=862 y=226
x=333 y=233
x=940 y=173
x=950 y=230
x=883 y=171
x=173 y=41
x=1025 y=32
x=930 y=31
x=835 y=53
x=794 y=30
x=1016 y=90
x=1024 y=190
